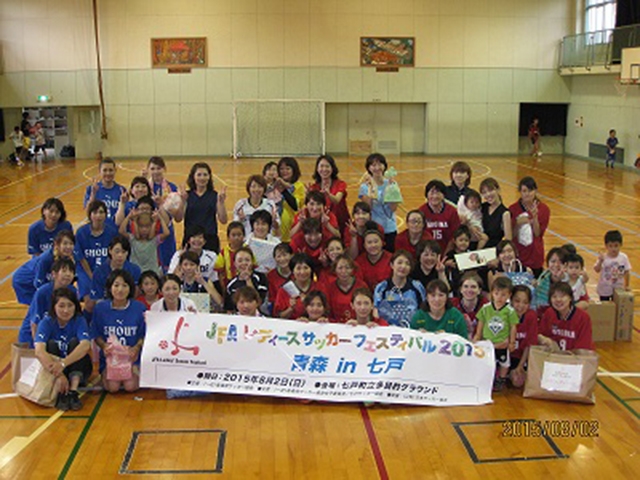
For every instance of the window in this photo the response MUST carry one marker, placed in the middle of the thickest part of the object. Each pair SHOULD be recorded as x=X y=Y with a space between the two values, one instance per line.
x=600 y=15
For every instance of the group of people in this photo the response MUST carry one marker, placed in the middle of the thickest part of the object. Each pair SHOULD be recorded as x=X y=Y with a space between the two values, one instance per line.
x=297 y=252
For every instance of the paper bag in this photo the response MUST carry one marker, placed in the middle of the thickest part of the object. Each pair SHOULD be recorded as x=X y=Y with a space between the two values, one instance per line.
x=118 y=361
x=564 y=376
x=30 y=379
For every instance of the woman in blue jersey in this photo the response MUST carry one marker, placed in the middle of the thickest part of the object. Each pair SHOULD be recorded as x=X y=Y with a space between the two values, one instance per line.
x=42 y=233
x=63 y=272
x=37 y=271
x=62 y=347
x=106 y=189
x=398 y=297
x=92 y=245
x=123 y=317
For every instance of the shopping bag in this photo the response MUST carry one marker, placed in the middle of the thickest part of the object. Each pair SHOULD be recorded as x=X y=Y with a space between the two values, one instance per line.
x=118 y=361
x=563 y=376
x=519 y=276
x=392 y=193
x=30 y=379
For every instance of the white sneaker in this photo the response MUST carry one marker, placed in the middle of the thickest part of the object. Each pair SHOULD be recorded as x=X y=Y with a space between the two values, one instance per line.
x=539 y=154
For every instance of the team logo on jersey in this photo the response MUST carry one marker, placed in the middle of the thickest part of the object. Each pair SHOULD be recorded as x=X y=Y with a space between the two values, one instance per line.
x=495 y=325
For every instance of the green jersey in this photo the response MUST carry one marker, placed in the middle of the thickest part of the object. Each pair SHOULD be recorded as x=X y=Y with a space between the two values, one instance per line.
x=451 y=322
x=496 y=324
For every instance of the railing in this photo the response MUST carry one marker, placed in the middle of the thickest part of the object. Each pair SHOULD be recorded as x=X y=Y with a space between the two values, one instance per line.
x=598 y=49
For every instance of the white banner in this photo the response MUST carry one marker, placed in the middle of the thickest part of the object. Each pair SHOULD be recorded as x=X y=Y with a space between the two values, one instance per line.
x=331 y=362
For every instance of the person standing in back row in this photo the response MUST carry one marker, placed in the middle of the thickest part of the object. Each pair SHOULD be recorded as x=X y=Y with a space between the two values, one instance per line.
x=612 y=143
x=534 y=136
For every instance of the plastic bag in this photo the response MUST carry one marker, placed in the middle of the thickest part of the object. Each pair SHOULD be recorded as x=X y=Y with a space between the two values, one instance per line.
x=118 y=361
x=392 y=193
x=525 y=232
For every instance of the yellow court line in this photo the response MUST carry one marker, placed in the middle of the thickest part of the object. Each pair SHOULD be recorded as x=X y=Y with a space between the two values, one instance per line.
x=29 y=176
x=624 y=382
x=17 y=444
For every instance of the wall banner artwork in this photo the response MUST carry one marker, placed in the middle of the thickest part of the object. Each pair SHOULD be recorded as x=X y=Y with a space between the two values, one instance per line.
x=330 y=362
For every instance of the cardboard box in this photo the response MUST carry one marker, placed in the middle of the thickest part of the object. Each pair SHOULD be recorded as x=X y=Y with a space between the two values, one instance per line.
x=603 y=321
x=624 y=314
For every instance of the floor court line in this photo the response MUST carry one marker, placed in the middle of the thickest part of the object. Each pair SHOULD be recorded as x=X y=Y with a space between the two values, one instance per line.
x=548 y=172
x=633 y=387
x=15 y=182
x=373 y=441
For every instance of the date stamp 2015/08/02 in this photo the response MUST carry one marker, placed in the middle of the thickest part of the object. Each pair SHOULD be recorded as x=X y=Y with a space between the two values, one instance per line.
x=551 y=428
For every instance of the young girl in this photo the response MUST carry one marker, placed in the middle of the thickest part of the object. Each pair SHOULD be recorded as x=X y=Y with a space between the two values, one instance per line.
x=289 y=299
x=225 y=262
x=92 y=245
x=282 y=273
x=374 y=262
x=42 y=233
x=372 y=191
x=149 y=286
x=398 y=297
x=436 y=314
x=122 y=315
x=461 y=242
x=292 y=190
x=340 y=290
x=526 y=333
x=415 y=233
x=194 y=241
x=356 y=228
x=314 y=207
x=246 y=277
x=192 y=279
x=256 y=188
x=310 y=241
x=171 y=300
x=429 y=265
x=260 y=240
x=64 y=333
x=460 y=175
x=568 y=326
x=441 y=218
x=144 y=242
x=508 y=262
x=470 y=214
x=316 y=308
x=326 y=181
x=364 y=311
x=470 y=300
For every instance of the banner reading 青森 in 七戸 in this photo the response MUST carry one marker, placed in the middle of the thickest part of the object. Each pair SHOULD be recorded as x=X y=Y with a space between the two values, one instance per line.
x=331 y=362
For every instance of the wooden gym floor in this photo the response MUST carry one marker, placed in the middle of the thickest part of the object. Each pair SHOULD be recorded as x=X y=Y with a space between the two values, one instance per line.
x=244 y=437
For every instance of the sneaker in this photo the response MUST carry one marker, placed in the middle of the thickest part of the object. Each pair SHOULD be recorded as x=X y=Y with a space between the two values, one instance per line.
x=62 y=403
x=498 y=384
x=74 y=401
